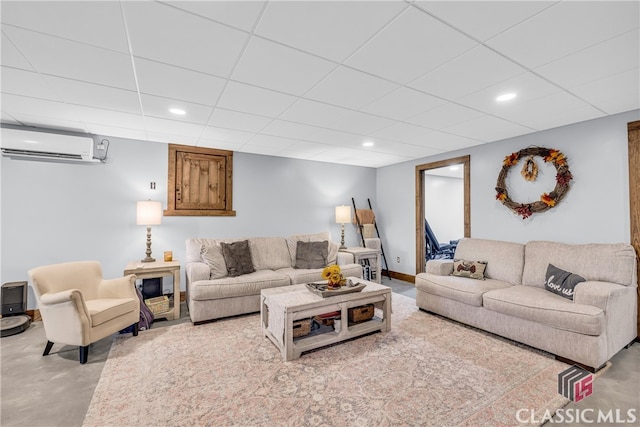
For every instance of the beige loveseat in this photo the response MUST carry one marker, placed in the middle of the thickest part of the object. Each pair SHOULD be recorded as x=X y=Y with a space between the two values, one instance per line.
x=512 y=300
x=213 y=294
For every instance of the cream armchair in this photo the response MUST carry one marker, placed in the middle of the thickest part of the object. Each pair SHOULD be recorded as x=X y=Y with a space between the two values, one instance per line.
x=78 y=307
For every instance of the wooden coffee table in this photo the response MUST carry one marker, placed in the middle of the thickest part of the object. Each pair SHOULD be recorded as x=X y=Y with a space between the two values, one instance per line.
x=280 y=307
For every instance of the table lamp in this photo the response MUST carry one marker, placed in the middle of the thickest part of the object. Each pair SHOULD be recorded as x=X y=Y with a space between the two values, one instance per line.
x=148 y=213
x=343 y=216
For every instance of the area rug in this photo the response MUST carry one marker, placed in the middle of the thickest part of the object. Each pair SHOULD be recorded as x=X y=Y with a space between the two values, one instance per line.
x=427 y=371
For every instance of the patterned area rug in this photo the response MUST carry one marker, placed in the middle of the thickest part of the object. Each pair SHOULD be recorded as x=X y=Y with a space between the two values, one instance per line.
x=427 y=371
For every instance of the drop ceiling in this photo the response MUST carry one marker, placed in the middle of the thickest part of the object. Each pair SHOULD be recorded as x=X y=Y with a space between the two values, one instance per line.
x=316 y=79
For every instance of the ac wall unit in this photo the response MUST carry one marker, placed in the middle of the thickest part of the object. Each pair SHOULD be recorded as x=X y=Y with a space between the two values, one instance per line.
x=46 y=146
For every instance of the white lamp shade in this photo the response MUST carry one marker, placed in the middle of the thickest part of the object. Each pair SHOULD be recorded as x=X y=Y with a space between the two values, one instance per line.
x=343 y=214
x=149 y=212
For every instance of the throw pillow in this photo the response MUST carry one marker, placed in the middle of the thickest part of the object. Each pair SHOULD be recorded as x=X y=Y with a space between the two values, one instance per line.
x=312 y=254
x=472 y=269
x=237 y=256
x=561 y=282
x=212 y=256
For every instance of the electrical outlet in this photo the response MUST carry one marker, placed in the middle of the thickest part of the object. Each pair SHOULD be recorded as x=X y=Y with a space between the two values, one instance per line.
x=398 y=260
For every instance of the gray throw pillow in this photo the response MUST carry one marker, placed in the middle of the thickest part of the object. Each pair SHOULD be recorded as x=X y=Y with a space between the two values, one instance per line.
x=561 y=282
x=237 y=256
x=312 y=254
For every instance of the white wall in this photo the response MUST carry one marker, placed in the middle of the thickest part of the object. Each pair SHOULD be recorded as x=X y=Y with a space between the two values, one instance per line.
x=444 y=206
x=58 y=212
x=596 y=209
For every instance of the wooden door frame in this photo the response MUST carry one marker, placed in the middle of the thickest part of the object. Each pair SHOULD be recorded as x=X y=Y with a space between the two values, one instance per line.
x=420 y=211
x=633 y=132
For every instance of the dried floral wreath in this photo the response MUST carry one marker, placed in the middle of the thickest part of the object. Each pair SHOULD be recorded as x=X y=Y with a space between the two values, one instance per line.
x=530 y=173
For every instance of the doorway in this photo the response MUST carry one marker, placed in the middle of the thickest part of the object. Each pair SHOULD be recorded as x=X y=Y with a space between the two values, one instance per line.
x=421 y=170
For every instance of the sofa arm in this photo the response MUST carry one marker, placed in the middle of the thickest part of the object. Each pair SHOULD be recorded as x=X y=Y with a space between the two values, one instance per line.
x=196 y=271
x=67 y=317
x=344 y=258
x=598 y=294
x=122 y=287
x=440 y=267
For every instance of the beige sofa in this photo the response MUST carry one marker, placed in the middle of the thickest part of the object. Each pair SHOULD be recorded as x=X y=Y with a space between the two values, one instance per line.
x=512 y=300
x=212 y=294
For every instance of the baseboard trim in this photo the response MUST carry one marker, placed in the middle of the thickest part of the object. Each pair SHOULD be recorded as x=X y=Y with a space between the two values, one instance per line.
x=400 y=276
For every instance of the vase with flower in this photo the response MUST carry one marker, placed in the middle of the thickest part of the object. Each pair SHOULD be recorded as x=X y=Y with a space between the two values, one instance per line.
x=333 y=275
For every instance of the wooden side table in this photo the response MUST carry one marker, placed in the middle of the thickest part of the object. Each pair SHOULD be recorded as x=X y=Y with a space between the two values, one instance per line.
x=367 y=255
x=150 y=270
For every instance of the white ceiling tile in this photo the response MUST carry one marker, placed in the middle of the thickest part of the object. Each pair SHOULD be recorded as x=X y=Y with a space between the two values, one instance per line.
x=409 y=47
x=394 y=147
x=361 y=123
x=237 y=120
x=605 y=59
x=173 y=127
x=314 y=113
x=306 y=149
x=226 y=135
x=108 y=117
x=16 y=104
x=118 y=132
x=239 y=14
x=11 y=56
x=487 y=129
x=483 y=19
x=556 y=109
x=26 y=83
x=288 y=129
x=402 y=104
x=173 y=36
x=454 y=80
x=96 y=23
x=330 y=29
x=159 y=79
x=171 y=138
x=449 y=142
x=613 y=94
x=48 y=122
x=254 y=100
x=577 y=24
x=527 y=86
x=155 y=106
x=281 y=68
x=404 y=132
x=445 y=115
x=342 y=139
x=269 y=141
x=89 y=94
x=350 y=88
x=6 y=118
x=74 y=60
x=221 y=145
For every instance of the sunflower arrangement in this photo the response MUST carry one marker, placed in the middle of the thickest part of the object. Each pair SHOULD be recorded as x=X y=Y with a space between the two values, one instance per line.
x=333 y=275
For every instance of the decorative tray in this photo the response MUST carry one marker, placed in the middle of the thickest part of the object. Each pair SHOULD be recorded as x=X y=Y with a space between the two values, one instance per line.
x=320 y=288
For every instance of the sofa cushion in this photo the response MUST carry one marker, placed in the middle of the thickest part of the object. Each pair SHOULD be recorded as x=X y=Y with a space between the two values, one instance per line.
x=292 y=242
x=471 y=269
x=229 y=287
x=237 y=257
x=505 y=260
x=211 y=253
x=538 y=305
x=604 y=262
x=269 y=253
x=462 y=289
x=311 y=254
x=561 y=282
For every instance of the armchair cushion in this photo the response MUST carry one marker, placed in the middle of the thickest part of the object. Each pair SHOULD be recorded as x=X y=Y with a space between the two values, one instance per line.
x=103 y=310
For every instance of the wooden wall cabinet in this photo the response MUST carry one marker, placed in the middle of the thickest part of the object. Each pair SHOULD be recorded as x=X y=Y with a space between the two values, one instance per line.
x=200 y=182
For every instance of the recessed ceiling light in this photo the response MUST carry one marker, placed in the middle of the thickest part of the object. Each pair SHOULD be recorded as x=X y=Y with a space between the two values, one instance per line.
x=177 y=111
x=368 y=144
x=506 y=97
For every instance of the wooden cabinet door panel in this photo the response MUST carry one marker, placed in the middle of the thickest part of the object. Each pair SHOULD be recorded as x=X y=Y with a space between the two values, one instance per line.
x=200 y=181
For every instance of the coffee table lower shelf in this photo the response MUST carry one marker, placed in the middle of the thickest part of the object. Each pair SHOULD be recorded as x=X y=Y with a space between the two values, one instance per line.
x=286 y=305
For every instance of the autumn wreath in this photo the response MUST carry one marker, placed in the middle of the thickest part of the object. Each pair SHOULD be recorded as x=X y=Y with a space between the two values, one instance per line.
x=547 y=200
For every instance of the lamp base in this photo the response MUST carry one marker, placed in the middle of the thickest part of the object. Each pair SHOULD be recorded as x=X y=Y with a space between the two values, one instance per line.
x=148 y=259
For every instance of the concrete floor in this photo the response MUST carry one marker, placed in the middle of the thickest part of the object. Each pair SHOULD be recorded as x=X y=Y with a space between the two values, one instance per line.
x=56 y=390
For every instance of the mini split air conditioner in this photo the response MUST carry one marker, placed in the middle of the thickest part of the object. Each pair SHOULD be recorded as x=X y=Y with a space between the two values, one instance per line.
x=46 y=146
